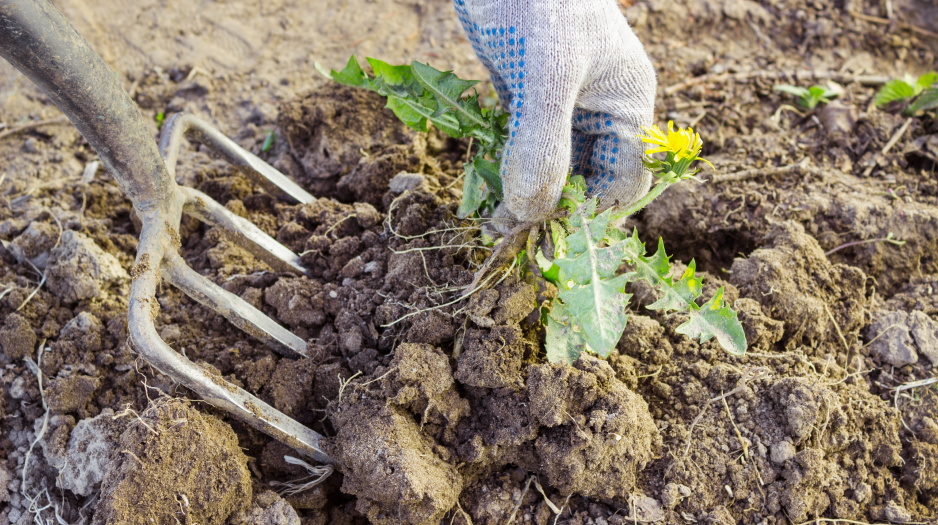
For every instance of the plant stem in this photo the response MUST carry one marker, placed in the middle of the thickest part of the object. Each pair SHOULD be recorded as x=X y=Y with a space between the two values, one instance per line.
x=644 y=201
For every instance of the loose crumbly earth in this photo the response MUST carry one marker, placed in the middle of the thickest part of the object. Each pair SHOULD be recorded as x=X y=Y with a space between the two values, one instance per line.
x=450 y=413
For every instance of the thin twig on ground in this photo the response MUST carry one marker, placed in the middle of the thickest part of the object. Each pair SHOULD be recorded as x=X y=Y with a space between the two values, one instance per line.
x=759 y=172
x=884 y=21
x=524 y=493
x=743 y=76
x=881 y=334
x=818 y=521
x=31 y=125
x=887 y=238
x=898 y=135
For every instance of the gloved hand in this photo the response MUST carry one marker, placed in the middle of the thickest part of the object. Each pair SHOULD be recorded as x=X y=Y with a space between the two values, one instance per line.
x=579 y=87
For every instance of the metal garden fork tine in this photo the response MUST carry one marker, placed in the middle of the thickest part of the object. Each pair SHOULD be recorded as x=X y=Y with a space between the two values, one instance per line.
x=185 y=124
x=44 y=46
x=243 y=232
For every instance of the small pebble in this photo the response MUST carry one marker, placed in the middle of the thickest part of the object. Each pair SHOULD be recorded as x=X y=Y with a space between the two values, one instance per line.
x=30 y=145
x=782 y=451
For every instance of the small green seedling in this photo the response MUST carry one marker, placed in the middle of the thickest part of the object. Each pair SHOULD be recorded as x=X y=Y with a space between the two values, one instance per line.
x=269 y=140
x=589 y=313
x=917 y=94
x=810 y=97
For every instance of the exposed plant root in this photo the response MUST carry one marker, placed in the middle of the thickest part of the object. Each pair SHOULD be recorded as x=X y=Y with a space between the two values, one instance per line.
x=514 y=512
x=909 y=386
x=506 y=251
x=317 y=474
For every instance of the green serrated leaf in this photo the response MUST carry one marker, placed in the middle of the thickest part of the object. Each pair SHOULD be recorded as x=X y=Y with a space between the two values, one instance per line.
x=447 y=89
x=409 y=112
x=599 y=311
x=894 y=90
x=681 y=294
x=564 y=344
x=472 y=194
x=715 y=319
x=391 y=75
x=352 y=75
x=927 y=100
x=655 y=269
x=489 y=172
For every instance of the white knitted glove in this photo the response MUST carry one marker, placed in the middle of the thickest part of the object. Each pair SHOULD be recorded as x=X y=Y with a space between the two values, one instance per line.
x=579 y=86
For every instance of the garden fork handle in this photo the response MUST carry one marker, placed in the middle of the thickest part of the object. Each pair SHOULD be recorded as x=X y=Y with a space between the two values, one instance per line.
x=40 y=42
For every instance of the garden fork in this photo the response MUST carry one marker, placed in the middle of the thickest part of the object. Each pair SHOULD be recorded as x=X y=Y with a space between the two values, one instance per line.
x=39 y=41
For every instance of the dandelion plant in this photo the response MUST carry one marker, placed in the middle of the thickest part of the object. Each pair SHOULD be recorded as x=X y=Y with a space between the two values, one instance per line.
x=589 y=313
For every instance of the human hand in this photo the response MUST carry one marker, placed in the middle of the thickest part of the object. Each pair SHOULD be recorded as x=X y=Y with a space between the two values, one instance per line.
x=579 y=87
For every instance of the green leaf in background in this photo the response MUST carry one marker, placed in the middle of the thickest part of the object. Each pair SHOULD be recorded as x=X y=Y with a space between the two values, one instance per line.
x=418 y=93
x=715 y=319
x=925 y=81
x=792 y=90
x=268 y=141
x=927 y=100
x=893 y=90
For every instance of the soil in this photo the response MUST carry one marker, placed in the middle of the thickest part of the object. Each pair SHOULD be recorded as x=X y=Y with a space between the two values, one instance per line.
x=443 y=411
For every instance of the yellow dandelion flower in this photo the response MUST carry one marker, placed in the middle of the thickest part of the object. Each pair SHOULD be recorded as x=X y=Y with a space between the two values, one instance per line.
x=683 y=143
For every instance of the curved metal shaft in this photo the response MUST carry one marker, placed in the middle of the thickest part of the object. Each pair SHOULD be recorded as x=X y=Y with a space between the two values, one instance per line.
x=42 y=44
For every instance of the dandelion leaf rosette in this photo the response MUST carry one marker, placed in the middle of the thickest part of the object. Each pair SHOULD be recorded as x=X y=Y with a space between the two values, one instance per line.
x=590 y=312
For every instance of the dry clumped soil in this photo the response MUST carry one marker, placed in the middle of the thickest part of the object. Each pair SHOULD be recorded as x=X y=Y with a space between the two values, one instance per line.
x=449 y=413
